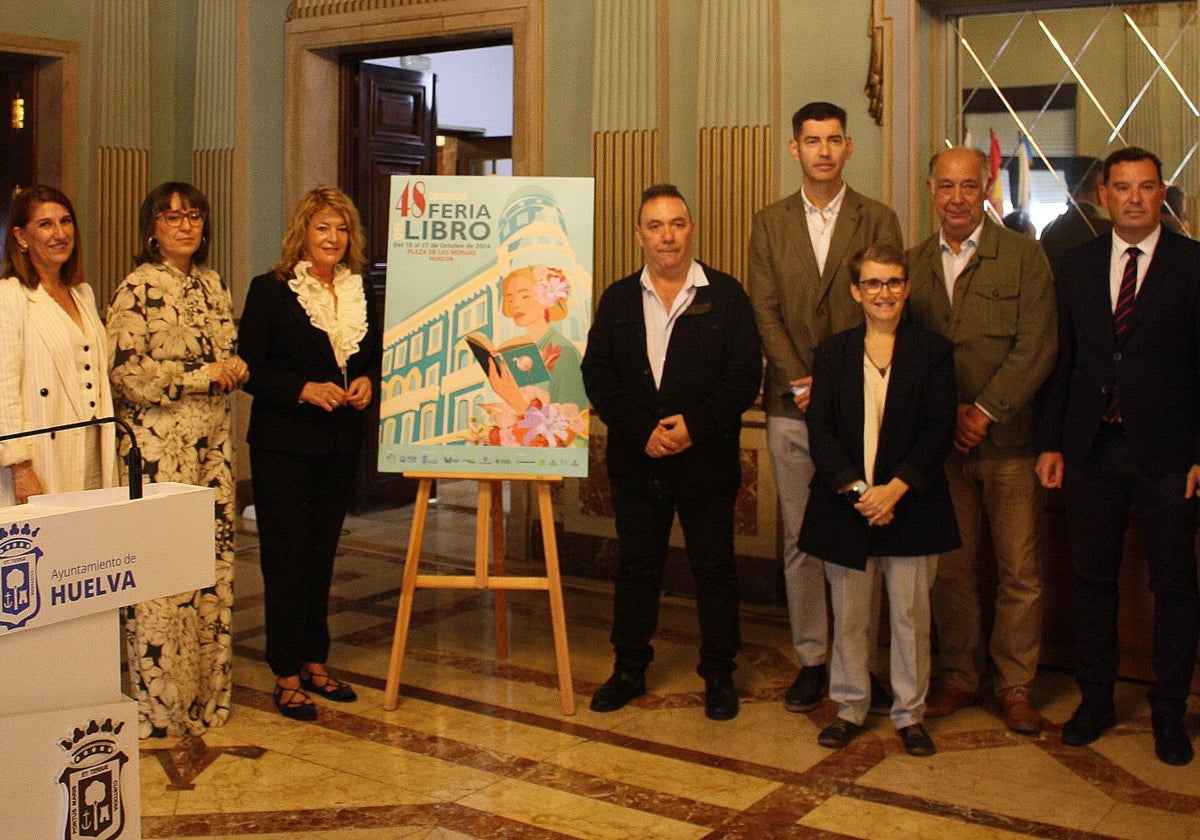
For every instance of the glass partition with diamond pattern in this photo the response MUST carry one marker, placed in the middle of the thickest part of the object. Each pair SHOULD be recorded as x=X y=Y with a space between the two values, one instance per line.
x=1081 y=81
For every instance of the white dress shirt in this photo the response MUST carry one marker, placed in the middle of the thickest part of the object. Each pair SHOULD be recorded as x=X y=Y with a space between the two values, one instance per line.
x=660 y=321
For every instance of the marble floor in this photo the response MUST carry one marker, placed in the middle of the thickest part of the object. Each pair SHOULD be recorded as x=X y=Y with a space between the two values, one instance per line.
x=480 y=749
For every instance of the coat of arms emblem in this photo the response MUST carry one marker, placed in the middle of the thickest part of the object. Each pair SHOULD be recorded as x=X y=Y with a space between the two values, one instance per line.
x=20 y=597
x=95 y=805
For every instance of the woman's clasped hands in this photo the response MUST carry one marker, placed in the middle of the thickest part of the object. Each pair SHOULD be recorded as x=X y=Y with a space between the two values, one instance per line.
x=330 y=395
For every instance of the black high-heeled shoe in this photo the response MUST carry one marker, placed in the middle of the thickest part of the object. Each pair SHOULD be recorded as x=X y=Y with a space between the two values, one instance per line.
x=330 y=688
x=294 y=703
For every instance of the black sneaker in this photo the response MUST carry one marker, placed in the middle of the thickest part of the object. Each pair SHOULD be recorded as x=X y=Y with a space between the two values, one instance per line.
x=618 y=690
x=808 y=689
x=881 y=698
x=720 y=698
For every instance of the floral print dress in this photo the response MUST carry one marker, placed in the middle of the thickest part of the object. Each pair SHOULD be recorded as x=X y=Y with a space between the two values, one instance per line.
x=164 y=329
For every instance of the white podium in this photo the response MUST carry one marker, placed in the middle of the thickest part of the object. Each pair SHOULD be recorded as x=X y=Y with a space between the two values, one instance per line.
x=68 y=737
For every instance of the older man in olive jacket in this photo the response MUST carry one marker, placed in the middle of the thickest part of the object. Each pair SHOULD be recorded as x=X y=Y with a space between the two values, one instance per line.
x=990 y=291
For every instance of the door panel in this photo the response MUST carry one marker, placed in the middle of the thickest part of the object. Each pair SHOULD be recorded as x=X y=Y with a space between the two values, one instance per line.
x=18 y=161
x=395 y=136
x=391 y=124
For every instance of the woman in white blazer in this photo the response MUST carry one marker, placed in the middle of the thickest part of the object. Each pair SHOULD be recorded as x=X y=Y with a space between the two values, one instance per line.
x=53 y=356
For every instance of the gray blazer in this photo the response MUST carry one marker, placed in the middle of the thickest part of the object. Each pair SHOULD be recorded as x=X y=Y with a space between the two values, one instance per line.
x=795 y=306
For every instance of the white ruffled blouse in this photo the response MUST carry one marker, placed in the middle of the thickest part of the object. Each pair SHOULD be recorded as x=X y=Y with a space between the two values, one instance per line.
x=344 y=320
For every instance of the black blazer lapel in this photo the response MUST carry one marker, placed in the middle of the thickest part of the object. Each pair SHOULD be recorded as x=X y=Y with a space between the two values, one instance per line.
x=851 y=386
x=1094 y=295
x=901 y=386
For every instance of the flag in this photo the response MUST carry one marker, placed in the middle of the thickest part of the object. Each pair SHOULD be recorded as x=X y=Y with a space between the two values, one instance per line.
x=1024 y=154
x=995 y=189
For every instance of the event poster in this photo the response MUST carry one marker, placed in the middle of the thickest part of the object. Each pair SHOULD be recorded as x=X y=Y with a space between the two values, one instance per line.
x=489 y=299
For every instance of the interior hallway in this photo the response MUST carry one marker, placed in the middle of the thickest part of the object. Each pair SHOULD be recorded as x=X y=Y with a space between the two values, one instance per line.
x=479 y=749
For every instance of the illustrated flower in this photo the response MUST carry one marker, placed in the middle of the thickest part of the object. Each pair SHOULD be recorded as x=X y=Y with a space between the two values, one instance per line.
x=542 y=424
x=551 y=286
x=547 y=426
x=524 y=363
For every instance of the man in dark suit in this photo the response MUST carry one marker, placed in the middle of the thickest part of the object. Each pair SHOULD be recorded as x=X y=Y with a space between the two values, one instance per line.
x=673 y=359
x=1083 y=220
x=799 y=283
x=1119 y=431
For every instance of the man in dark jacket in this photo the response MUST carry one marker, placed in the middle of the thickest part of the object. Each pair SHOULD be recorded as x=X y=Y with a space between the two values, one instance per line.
x=1119 y=432
x=673 y=359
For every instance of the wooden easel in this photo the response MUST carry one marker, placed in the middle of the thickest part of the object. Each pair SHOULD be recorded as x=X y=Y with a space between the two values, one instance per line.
x=489 y=520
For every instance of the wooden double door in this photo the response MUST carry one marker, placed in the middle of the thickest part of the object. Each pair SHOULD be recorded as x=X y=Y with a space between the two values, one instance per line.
x=388 y=128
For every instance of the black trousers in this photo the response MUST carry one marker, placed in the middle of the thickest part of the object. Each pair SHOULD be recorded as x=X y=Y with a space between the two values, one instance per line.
x=1102 y=494
x=300 y=502
x=643 y=531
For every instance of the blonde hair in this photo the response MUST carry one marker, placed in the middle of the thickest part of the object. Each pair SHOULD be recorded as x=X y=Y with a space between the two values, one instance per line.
x=314 y=201
x=555 y=311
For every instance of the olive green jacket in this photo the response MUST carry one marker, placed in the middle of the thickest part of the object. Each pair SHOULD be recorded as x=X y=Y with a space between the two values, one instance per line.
x=1003 y=324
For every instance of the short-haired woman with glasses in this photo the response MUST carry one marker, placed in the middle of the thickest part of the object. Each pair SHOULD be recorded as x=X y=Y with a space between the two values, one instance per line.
x=173 y=367
x=880 y=425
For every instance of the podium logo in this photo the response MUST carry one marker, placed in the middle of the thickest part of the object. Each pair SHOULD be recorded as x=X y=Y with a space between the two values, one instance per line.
x=95 y=806
x=20 y=598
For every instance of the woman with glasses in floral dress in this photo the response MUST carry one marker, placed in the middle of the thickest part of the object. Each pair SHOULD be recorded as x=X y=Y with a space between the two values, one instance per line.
x=173 y=367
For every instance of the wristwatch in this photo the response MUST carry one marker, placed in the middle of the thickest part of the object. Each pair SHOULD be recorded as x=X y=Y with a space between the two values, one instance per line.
x=855 y=491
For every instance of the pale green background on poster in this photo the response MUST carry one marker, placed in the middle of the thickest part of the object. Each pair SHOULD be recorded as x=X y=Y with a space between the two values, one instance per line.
x=452 y=240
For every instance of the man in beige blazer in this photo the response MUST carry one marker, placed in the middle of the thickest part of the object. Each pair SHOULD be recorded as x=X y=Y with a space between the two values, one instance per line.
x=799 y=284
x=990 y=291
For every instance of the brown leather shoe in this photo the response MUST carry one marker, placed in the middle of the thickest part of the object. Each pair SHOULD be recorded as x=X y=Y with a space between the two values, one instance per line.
x=1019 y=715
x=944 y=699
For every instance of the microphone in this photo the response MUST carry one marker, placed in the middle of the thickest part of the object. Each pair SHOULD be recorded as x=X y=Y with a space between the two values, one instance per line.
x=133 y=460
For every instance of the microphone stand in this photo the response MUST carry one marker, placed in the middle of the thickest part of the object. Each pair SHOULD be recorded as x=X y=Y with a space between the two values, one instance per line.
x=133 y=460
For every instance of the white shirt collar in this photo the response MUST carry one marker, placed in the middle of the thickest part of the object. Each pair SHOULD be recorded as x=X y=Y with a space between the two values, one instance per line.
x=1146 y=246
x=972 y=240
x=829 y=209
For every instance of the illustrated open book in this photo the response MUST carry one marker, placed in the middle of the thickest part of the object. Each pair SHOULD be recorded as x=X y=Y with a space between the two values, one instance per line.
x=522 y=357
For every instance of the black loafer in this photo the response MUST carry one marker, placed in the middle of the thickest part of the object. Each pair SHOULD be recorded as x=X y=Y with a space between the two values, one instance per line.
x=1088 y=723
x=720 y=698
x=881 y=698
x=808 y=689
x=1171 y=743
x=916 y=740
x=618 y=690
x=838 y=734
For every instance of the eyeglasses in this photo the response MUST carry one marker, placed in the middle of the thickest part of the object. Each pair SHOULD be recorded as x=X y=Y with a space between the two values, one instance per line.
x=175 y=218
x=895 y=285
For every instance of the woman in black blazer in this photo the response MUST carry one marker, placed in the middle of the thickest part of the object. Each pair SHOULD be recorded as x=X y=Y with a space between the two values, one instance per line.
x=880 y=424
x=311 y=338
